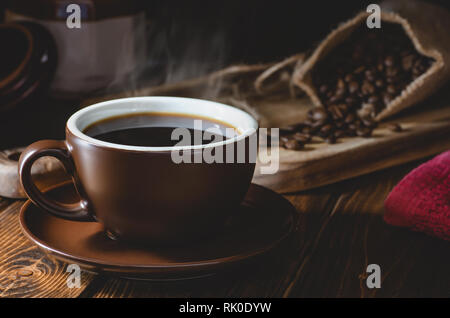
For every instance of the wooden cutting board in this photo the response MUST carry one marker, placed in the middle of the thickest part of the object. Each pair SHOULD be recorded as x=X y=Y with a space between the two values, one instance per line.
x=426 y=131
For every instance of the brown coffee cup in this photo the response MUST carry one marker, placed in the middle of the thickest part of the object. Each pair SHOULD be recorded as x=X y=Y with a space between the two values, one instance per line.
x=140 y=193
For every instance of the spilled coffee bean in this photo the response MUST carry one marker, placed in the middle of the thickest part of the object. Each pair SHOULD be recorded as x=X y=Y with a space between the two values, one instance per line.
x=364 y=132
x=293 y=144
x=303 y=138
x=330 y=139
x=356 y=82
x=394 y=127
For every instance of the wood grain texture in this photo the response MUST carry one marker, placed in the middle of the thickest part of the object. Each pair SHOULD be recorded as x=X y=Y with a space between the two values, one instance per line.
x=25 y=271
x=339 y=232
x=412 y=264
x=426 y=132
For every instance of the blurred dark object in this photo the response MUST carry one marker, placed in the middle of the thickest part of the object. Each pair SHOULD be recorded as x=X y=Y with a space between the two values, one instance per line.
x=102 y=51
x=46 y=171
x=254 y=31
x=28 y=61
x=2 y=10
x=220 y=33
x=91 y=10
x=185 y=39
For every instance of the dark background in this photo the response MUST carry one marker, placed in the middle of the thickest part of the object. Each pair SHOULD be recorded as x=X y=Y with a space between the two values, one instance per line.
x=219 y=32
x=189 y=38
x=253 y=30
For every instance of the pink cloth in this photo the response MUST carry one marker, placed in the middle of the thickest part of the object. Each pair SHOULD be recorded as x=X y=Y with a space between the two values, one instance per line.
x=421 y=201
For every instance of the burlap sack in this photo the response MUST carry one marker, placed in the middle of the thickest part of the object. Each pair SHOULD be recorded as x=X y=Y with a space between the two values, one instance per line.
x=428 y=28
x=268 y=82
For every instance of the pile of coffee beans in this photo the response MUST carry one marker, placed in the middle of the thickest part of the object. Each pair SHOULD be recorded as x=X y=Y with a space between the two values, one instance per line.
x=355 y=82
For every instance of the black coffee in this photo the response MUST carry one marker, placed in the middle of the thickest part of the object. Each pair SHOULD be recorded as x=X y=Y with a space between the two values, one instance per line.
x=157 y=130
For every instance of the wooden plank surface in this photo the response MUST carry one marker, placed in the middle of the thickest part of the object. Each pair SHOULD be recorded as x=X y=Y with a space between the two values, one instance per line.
x=412 y=264
x=25 y=271
x=426 y=131
x=339 y=232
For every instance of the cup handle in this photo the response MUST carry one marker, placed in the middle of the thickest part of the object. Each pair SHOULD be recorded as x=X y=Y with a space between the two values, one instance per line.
x=58 y=149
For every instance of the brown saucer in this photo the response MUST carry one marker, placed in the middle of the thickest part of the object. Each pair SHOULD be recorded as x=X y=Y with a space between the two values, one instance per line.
x=258 y=225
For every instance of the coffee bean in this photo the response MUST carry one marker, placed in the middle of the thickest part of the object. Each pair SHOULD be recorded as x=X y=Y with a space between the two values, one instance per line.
x=369 y=122
x=370 y=74
x=359 y=70
x=284 y=139
x=335 y=98
x=390 y=80
x=335 y=116
x=380 y=67
x=387 y=98
x=326 y=130
x=417 y=70
x=391 y=72
x=308 y=122
x=339 y=124
x=379 y=83
x=351 y=133
x=286 y=130
x=350 y=101
x=339 y=133
x=407 y=62
x=337 y=112
x=318 y=113
x=352 y=127
x=341 y=92
x=323 y=89
x=366 y=110
x=367 y=88
x=391 y=89
x=373 y=99
x=306 y=130
x=344 y=108
x=357 y=55
x=350 y=118
x=389 y=61
x=318 y=123
x=353 y=87
x=303 y=138
x=394 y=127
x=371 y=78
x=293 y=144
x=418 y=63
x=358 y=123
x=364 y=132
x=348 y=78
x=403 y=53
x=331 y=139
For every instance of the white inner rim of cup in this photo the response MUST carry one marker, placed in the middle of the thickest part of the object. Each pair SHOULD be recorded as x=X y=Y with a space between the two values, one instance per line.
x=236 y=118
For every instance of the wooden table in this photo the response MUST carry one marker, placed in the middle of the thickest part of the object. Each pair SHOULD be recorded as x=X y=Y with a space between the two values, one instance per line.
x=339 y=232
